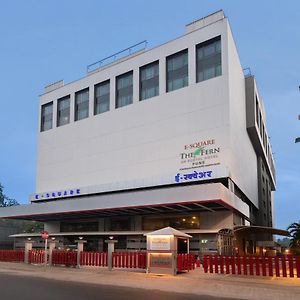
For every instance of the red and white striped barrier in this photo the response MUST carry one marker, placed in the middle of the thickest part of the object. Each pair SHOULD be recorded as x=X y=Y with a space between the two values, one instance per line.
x=12 y=255
x=285 y=266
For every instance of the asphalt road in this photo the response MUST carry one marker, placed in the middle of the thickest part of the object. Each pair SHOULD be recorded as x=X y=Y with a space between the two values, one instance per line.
x=13 y=287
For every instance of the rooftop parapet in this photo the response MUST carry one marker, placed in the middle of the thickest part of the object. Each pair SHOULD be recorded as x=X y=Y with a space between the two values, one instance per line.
x=197 y=24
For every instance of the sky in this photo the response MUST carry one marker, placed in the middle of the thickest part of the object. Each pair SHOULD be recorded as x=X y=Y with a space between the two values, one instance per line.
x=45 y=41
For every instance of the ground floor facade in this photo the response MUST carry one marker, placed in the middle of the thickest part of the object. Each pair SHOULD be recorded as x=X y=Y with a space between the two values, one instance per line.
x=207 y=212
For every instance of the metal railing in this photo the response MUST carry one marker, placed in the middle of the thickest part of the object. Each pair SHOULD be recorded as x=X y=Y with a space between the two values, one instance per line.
x=116 y=56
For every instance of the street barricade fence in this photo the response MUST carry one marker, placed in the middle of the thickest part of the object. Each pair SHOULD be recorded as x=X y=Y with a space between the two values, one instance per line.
x=185 y=262
x=66 y=258
x=284 y=266
x=136 y=260
x=12 y=255
x=36 y=256
x=97 y=259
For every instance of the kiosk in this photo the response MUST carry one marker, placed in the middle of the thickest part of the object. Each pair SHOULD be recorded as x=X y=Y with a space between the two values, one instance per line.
x=162 y=249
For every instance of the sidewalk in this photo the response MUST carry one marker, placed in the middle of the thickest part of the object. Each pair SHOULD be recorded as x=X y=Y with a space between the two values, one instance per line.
x=194 y=282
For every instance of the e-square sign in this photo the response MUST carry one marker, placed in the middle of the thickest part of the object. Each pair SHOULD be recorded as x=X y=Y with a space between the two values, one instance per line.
x=200 y=154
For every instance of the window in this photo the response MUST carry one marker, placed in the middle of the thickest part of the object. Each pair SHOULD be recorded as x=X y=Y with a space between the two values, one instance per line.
x=208 y=59
x=257 y=113
x=81 y=104
x=46 y=116
x=102 y=97
x=120 y=223
x=124 y=89
x=63 y=111
x=149 y=81
x=78 y=227
x=177 y=71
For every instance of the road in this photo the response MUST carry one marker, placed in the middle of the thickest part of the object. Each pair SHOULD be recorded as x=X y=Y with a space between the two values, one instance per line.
x=14 y=287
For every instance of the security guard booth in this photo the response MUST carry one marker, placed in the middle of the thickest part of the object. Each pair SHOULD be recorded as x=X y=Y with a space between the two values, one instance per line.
x=162 y=250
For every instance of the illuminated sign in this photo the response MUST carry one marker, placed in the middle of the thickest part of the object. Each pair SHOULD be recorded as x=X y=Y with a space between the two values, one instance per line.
x=161 y=260
x=160 y=243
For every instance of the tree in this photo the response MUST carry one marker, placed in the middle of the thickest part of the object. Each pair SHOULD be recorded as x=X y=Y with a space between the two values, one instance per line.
x=294 y=230
x=4 y=200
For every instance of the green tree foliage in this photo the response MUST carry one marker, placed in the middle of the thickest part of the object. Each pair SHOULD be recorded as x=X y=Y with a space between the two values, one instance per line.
x=4 y=200
x=294 y=230
x=32 y=227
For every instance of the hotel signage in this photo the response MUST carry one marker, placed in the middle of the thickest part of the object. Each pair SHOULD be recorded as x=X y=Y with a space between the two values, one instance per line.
x=59 y=194
x=199 y=154
x=194 y=175
x=161 y=260
x=160 y=243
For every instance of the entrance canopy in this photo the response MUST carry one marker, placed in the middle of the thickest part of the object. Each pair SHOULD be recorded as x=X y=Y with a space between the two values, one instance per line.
x=245 y=230
x=176 y=199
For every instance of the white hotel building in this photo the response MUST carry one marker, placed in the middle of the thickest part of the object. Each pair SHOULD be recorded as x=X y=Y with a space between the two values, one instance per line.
x=171 y=136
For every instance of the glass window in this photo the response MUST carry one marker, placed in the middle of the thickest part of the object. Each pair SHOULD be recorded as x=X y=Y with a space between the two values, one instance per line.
x=102 y=97
x=46 y=116
x=177 y=70
x=178 y=222
x=208 y=59
x=81 y=104
x=257 y=113
x=149 y=81
x=120 y=223
x=63 y=111
x=124 y=89
x=78 y=227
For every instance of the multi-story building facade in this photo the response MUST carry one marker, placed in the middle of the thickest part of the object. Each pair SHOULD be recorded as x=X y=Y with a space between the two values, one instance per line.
x=171 y=136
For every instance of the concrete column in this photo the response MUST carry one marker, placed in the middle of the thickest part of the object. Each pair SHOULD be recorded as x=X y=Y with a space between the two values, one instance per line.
x=110 y=250
x=79 y=250
x=107 y=224
x=28 y=247
x=91 y=100
x=192 y=65
x=136 y=86
x=112 y=104
x=52 y=246
x=162 y=76
x=101 y=224
x=138 y=223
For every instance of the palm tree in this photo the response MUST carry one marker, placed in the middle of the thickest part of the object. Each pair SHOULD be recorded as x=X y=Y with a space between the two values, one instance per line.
x=294 y=230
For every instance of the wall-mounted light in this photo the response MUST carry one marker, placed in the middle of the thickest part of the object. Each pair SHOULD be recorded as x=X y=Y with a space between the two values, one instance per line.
x=111 y=237
x=80 y=237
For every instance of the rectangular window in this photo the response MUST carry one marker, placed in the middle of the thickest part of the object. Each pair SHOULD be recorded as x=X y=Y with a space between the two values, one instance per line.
x=63 y=111
x=257 y=113
x=149 y=81
x=124 y=89
x=208 y=59
x=81 y=104
x=177 y=71
x=102 y=94
x=46 y=116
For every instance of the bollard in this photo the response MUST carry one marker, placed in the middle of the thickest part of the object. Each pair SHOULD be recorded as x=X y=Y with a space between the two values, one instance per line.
x=52 y=245
x=110 y=250
x=28 y=247
x=80 y=243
